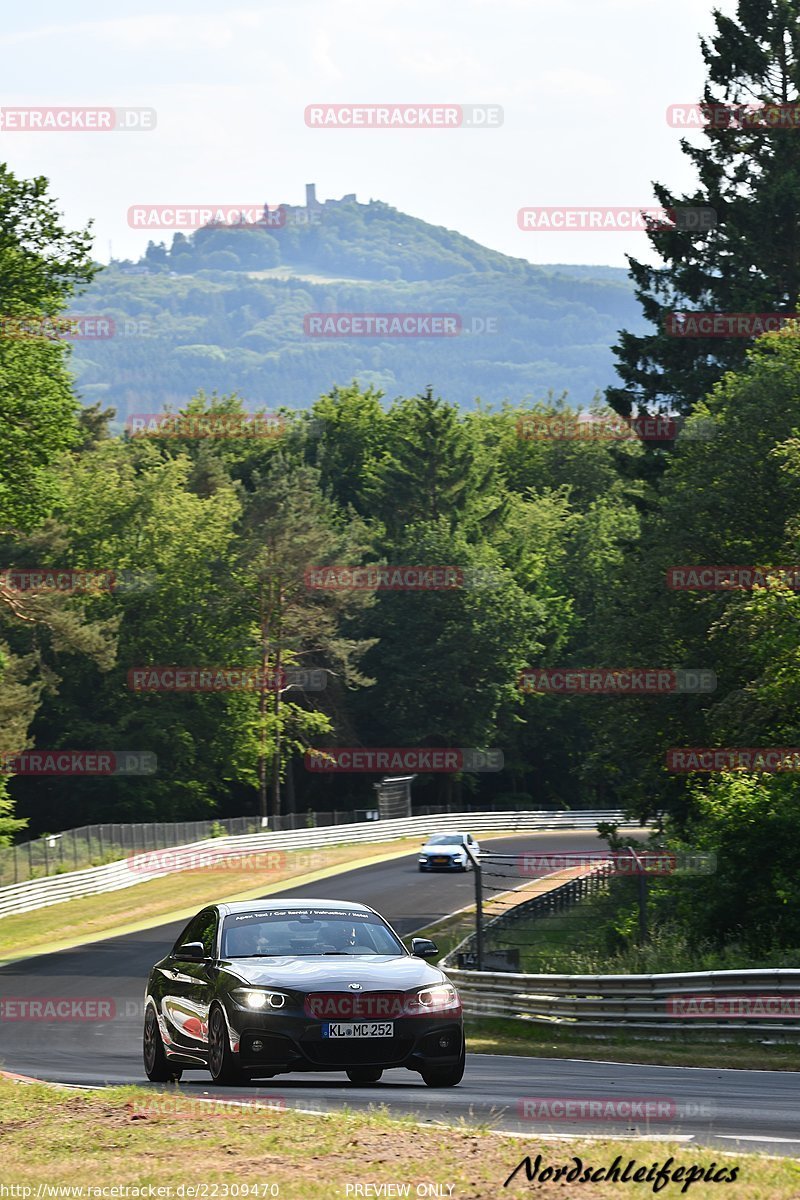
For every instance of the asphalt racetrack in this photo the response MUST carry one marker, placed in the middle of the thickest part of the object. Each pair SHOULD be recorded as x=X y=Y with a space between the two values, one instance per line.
x=730 y=1109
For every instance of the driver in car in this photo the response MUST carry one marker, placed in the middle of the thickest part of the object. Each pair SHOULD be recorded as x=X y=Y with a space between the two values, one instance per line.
x=241 y=943
x=345 y=939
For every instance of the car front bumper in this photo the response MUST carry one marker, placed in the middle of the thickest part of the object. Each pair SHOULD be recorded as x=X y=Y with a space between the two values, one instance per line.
x=290 y=1043
x=452 y=864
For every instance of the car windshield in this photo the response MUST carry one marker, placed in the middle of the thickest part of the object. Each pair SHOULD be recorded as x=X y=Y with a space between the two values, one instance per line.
x=446 y=839
x=304 y=932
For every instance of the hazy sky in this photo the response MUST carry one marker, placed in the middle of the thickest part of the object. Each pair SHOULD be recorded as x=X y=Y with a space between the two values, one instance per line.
x=584 y=85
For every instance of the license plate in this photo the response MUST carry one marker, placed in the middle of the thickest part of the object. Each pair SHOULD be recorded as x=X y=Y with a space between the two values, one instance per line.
x=350 y=1029
x=441 y=862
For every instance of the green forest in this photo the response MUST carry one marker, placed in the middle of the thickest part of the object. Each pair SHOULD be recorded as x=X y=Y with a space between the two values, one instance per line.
x=565 y=549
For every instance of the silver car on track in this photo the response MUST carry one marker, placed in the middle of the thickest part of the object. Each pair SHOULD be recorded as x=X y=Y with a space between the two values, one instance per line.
x=446 y=852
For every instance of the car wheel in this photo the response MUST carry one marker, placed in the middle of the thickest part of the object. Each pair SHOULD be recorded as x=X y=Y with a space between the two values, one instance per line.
x=157 y=1066
x=364 y=1074
x=222 y=1063
x=422 y=868
x=444 y=1076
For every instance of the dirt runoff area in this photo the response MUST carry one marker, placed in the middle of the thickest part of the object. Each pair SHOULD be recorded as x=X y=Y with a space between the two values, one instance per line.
x=149 y=1144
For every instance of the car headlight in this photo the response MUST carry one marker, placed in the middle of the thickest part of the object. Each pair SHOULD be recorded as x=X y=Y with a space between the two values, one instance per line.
x=258 y=998
x=440 y=998
x=423 y=858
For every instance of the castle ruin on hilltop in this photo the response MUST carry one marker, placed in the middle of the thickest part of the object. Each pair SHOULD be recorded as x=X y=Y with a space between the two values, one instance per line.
x=272 y=216
x=313 y=203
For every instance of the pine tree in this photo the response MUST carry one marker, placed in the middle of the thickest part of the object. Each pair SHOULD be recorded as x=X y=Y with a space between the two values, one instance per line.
x=749 y=174
x=432 y=472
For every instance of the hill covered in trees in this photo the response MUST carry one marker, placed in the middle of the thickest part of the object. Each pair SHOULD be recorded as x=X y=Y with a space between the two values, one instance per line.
x=224 y=309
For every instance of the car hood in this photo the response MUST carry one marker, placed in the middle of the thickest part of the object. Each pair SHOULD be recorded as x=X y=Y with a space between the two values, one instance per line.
x=375 y=972
x=429 y=848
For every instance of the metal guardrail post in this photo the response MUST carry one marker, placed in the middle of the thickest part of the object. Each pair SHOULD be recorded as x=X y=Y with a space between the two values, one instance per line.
x=644 y=935
x=476 y=871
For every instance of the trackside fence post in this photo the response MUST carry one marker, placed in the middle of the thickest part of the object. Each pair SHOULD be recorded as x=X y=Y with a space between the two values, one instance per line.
x=477 y=874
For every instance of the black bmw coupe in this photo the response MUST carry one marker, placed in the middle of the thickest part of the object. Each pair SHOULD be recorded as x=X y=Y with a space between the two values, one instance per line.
x=272 y=986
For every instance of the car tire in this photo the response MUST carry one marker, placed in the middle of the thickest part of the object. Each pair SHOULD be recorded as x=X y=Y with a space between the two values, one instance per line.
x=364 y=1074
x=448 y=1076
x=222 y=1064
x=422 y=868
x=157 y=1066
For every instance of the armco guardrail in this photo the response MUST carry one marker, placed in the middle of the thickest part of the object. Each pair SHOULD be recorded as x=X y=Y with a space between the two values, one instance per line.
x=93 y=845
x=38 y=893
x=110 y=841
x=729 y=1002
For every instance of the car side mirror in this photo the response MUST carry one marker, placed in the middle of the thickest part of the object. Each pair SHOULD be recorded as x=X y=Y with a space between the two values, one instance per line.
x=423 y=948
x=192 y=952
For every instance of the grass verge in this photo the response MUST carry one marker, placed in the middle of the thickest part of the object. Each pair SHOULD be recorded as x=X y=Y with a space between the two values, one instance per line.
x=486 y=1035
x=179 y=895
x=132 y=1138
x=599 y=936
x=156 y=901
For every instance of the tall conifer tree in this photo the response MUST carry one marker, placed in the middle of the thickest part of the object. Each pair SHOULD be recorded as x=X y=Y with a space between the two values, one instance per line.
x=749 y=173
